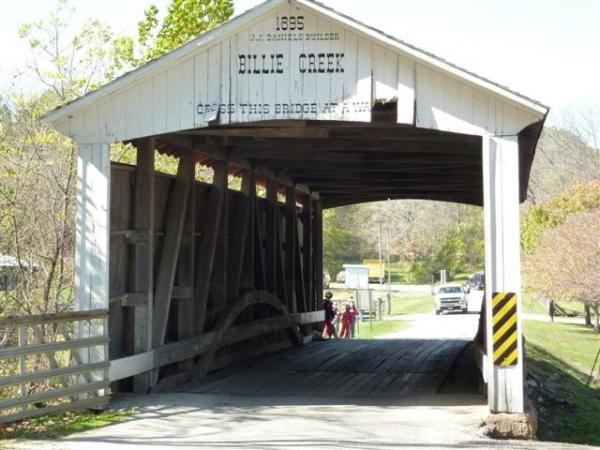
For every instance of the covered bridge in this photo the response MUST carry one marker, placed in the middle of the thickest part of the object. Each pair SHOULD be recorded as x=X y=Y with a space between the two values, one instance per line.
x=312 y=110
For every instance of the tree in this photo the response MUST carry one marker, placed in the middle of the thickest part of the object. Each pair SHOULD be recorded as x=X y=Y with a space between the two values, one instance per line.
x=338 y=241
x=566 y=154
x=69 y=63
x=37 y=165
x=37 y=208
x=185 y=20
x=564 y=266
x=553 y=212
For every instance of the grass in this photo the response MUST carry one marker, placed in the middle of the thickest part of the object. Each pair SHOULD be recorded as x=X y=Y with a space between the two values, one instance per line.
x=380 y=328
x=560 y=357
x=408 y=303
x=576 y=344
x=50 y=427
x=533 y=306
x=402 y=303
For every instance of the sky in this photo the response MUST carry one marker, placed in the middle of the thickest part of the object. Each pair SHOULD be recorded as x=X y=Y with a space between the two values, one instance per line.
x=546 y=49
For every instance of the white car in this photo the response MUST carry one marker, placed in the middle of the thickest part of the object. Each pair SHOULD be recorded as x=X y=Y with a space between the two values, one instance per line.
x=451 y=297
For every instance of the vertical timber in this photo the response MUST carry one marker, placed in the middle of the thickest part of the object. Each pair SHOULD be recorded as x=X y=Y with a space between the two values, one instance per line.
x=248 y=274
x=318 y=253
x=270 y=235
x=307 y=251
x=92 y=243
x=144 y=254
x=290 y=248
x=239 y=234
x=221 y=277
x=208 y=245
x=502 y=262
x=260 y=265
x=185 y=313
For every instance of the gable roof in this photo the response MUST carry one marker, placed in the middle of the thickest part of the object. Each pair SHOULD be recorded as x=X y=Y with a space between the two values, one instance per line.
x=234 y=24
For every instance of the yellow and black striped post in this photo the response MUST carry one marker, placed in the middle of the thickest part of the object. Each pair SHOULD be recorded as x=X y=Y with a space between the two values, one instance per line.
x=504 y=326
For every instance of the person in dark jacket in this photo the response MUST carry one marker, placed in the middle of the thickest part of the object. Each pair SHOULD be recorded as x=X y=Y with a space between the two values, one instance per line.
x=328 y=328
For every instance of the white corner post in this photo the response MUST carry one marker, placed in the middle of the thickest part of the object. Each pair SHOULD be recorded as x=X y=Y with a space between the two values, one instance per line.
x=502 y=265
x=92 y=243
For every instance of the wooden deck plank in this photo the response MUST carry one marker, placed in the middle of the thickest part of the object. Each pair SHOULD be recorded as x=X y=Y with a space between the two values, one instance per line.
x=340 y=368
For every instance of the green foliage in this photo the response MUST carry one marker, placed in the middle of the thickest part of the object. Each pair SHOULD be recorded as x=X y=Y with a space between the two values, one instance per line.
x=459 y=249
x=46 y=427
x=71 y=63
x=37 y=175
x=549 y=214
x=424 y=237
x=185 y=20
x=338 y=245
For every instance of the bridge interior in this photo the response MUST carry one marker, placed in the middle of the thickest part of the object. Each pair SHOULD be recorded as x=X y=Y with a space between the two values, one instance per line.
x=236 y=274
x=211 y=246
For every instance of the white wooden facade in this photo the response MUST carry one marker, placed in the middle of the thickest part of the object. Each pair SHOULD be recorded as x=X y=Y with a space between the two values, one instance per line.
x=331 y=69
x=297 y=60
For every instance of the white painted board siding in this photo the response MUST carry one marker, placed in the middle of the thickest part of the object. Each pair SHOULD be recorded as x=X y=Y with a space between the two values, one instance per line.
x=294 y=63
x=503 y=260
x=92 y=241
x=449 y=104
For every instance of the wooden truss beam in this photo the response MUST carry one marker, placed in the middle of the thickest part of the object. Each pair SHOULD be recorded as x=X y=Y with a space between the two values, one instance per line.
x=206 y=252
x=175 y=219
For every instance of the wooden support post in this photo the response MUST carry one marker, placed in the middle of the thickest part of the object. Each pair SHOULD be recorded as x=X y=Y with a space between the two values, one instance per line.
x=271 y=231
x=220 y=280
x=185 y=278
x=248 y=275
x=307 y=251
x=92 y=247
x=260 y=270
x=143 y=282
x=239 y=234
x=206 y=252
x=290 y=248
x=282 y=291
x=300 y=274
x=503 y=266
x=318 y=242
x=176 y=213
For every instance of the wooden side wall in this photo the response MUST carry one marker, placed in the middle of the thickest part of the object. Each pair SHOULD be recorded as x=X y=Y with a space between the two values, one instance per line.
x=230 y=242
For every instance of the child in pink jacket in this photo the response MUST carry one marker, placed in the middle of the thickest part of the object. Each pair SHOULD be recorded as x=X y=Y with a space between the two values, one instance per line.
x=347 y=320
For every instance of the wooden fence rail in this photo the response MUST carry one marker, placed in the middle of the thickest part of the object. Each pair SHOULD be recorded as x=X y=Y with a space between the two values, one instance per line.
x=85 y=384
x=77 y=385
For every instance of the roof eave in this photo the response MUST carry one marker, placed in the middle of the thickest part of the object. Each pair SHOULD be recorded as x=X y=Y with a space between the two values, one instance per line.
x=157 y=64
x=428 y=58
